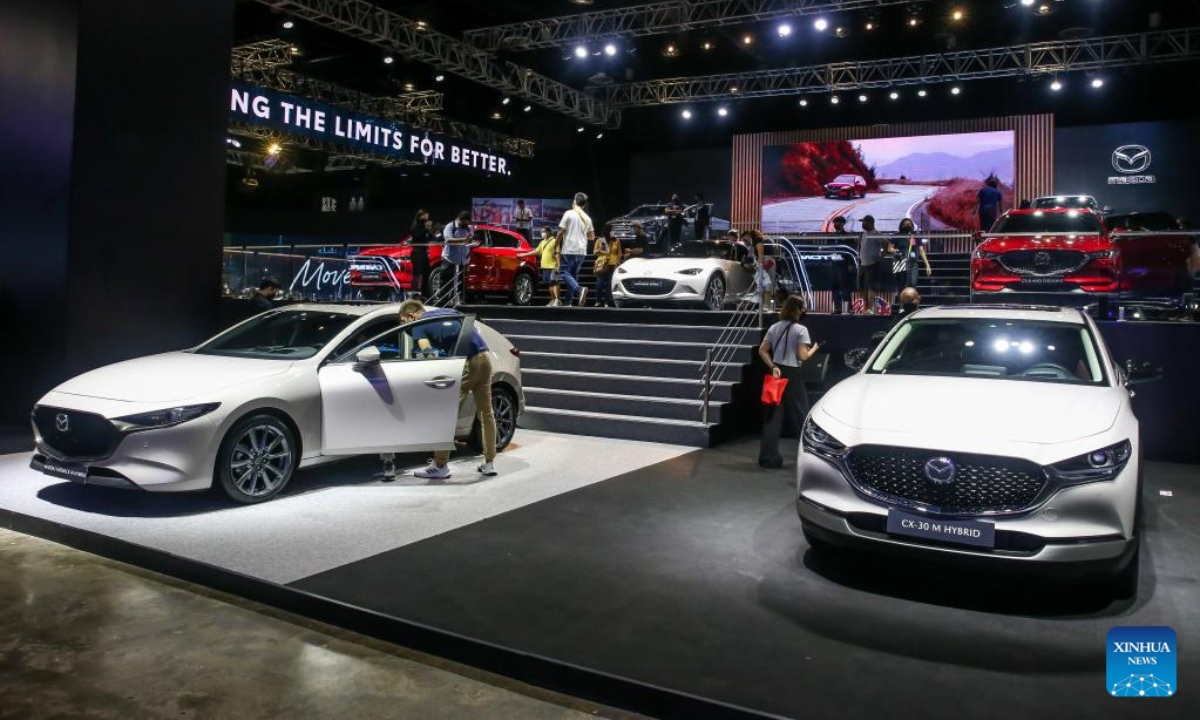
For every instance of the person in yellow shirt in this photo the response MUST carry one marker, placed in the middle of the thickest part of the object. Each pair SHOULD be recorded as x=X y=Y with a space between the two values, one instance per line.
x=608 y=256
x=548 y=260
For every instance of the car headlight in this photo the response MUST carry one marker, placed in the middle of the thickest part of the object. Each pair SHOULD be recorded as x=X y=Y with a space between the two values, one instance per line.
x=821 y=443
x=1103 y=464
x=985 y=255
x=621 y=270
x=163 y=418
x=691 y=271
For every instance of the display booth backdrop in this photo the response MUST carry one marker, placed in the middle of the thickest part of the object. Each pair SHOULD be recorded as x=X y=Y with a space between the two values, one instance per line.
x=1033 y=154
x=1086 y=162
x=654 y=176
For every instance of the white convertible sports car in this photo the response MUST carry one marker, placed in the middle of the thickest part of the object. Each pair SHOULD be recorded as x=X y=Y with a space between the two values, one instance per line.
x=695 y=272
x=286 y=389
x=992 y=434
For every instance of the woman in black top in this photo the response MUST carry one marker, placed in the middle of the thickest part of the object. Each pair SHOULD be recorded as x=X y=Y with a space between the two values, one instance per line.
x=422 y=236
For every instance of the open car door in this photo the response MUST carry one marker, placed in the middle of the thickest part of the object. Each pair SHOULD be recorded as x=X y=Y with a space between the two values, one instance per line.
x=390 y=395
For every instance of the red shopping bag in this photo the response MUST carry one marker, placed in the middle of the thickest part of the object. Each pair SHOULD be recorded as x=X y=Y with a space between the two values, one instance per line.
x=772 y=393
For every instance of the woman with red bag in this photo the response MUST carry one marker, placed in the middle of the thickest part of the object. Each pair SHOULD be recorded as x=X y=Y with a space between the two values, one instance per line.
x=785 y=347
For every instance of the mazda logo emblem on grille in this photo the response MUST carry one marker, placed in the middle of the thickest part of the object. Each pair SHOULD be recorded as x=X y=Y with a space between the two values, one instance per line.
x=62 y=422
x=1131 y=159
x=1041 y=258
x=940 y=470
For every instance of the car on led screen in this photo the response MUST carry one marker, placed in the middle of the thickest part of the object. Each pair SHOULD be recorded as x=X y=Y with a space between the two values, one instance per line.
x=286 y=389
x=846 y=186
x=1074 y=251
x=700 y=272
x=495 y=267
x=992 y=433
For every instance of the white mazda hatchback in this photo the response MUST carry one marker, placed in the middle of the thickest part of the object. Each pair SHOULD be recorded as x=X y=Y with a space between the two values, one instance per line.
x=286 y=389
x=999 y=434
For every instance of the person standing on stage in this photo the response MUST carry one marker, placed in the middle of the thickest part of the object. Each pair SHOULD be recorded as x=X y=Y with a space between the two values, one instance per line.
x=914 y=252
x=574 y=233
x=607 y=252
x=523 y=220
x=422 y=238
x=703 y=217
x=843 y=279
x=989 y=203
x=547 y=252
x=457 y=252
x=674 y=213
x=870 y=258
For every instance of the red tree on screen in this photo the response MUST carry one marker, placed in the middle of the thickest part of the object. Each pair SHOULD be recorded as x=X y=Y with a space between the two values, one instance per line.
x=802 y=169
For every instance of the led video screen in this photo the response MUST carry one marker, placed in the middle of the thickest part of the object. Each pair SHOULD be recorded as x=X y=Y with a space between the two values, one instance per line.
x=932 y=179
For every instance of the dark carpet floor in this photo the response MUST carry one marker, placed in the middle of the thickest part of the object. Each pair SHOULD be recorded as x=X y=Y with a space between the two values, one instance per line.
x=693 y=575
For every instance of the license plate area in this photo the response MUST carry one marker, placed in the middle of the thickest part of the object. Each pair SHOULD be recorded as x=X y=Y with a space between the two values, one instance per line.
x=75 y=472
x=958 y=532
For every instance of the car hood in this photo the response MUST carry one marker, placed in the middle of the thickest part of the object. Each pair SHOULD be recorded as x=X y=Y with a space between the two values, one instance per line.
x=1084 y=243
x=657 y=267
x=960 y=412
x=171 y=377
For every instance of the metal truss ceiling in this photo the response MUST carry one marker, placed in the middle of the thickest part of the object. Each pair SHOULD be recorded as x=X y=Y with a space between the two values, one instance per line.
x=416 y=41
x=265 y=64
x=1019 y=60
x=656 y=18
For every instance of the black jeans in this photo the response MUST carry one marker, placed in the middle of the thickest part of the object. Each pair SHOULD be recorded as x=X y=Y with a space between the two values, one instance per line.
x=788 y=414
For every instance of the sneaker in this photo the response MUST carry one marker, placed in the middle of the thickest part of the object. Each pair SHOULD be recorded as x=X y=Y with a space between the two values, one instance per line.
x=433 y=472
x=582 y=297
x=488 y=469
x=554 y=303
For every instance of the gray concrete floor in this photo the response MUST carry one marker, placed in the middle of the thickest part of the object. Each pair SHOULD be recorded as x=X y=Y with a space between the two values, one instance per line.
x=85 y=637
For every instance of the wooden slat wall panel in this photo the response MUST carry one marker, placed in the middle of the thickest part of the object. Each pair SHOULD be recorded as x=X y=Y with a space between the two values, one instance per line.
x=1033 y=154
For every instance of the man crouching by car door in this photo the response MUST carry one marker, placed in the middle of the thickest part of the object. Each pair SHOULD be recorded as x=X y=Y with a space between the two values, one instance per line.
x=476 y=382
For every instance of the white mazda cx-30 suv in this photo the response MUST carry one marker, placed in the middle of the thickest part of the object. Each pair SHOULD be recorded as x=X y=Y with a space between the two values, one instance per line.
x=286 y=389
x=995 y=433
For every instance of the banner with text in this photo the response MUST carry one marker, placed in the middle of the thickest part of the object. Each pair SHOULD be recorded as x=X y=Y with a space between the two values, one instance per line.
x=363 y=133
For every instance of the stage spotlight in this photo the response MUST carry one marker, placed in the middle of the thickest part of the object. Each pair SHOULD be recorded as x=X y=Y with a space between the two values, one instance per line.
x=408 y=87
x=610 y=49
x=922 y=93
x=274 y=149
x=872 y=24
x=747 y=39
x=914 y=21
x=1097 y=83
x=707 y=45
x=722 y=112
x=841 y=31
x=496 y=115
x=686 y=114
x=862 y=98
x=439 y=78
x=233 y=142
x=835 y=100
x=733 y=88
x=296 y=51
x=421 y=25
x=579 y=129
x=785 y=29
x=1028 y=3
x=955 y=90
x=599 y=136
x=1056 y=85
x=505 y=101
x=288 y=24
x=821 y=24
x=1044 y=9
x=527 y=108
x=581 y=52
x=388 y=59
x=803 y=102
x=671 y=50
x=894 y=95
x=957 y=15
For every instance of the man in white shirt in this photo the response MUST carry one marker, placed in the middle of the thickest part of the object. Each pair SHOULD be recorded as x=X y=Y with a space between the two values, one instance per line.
x=575 y=234
x=523 y=220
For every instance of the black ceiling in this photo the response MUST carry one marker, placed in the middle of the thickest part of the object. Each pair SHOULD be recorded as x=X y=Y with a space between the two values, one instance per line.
x=1133 y=94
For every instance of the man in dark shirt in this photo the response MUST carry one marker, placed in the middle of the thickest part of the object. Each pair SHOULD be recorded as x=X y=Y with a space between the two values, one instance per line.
x=438 y=340
x=674 y=213
x=703 y=217
x=989 y=203
x=264 y=297
x=637 y=245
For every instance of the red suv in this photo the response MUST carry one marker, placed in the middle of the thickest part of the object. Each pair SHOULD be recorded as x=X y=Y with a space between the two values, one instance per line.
x=1072 y=250
x=847 y=186
x=494 y=266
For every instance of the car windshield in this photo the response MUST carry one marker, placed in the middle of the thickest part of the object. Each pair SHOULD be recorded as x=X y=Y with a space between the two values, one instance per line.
x=279 y=335
x=1049 y=222
x=992 y=348
x=1065 y=201
x=719 y=250
x=845 y=178
x=647 y=211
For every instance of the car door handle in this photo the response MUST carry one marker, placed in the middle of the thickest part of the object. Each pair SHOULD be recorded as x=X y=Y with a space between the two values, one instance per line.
x=441 y=382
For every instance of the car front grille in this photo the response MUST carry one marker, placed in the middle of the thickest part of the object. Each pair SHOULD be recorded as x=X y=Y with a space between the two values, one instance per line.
x=1043 y=263
x=621 y=229
x=981 y=484
x=82 y=436
x=648 y=286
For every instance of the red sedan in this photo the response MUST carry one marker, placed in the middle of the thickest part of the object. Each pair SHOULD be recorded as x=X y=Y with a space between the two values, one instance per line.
x=1072 y=250
x=494 y=266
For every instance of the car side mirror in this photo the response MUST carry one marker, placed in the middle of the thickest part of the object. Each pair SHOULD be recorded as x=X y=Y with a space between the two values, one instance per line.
x=857 y=358
x=368 y=355
x=1138 y=372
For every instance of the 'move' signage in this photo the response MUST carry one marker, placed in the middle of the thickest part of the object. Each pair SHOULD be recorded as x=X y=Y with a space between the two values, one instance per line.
x=364 y=133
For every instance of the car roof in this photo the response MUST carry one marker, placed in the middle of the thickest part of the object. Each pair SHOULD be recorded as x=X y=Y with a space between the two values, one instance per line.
x=345 y=309
x=1054 y=211
x=1064 y=196
x=1041 y=313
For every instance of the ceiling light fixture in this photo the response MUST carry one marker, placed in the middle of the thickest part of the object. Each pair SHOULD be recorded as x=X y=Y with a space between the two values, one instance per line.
x=722 y=112
x=288 y=24
x=922 y=93
x=686 y=114
x=599 y=136
x=956 y=90
x=439 y=78
x=803 y=102
x=1098 y=83
x=610 y=49
x=894 y=95
x=835 y=100
x=505 y=101
x=1056 y=85
x=707 y=45
x=388 y=60
x=863 y=98
x=820 y=24
x=747 y=39
x=581 y=52
x=527 y=108
x=957 y=15
x=785 y=29
x=579 y=129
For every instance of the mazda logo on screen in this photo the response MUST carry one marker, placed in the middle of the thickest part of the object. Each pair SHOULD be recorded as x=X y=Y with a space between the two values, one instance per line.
x=62 y=422
x=1131 y=159
x=940 y=470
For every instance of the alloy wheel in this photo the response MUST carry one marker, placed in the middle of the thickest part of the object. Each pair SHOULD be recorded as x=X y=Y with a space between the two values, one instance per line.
x=714 y=296
x=505 y=411
x=523 y=290
x=261 y=460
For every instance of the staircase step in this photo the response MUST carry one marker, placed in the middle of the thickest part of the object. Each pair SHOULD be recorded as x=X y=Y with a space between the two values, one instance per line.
x=707 y=334
x=624 y=427
x=622 y=405
x=649 y=367
x=683 y=388
x=651 y=316
x=609 y=347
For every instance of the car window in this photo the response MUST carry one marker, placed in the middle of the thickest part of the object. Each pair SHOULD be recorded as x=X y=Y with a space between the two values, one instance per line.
x=1071 y=221
x=280 y=335
x=504 y=240
x=481 y=236
x=369 y=330
x=440 y=334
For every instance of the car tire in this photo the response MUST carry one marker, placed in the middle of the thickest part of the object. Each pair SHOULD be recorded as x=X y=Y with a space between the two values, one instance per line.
x=522 y=289
x=714 y=292
x=437 y=281
x=504 y=407
x=817 y=544
x=257 y=458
